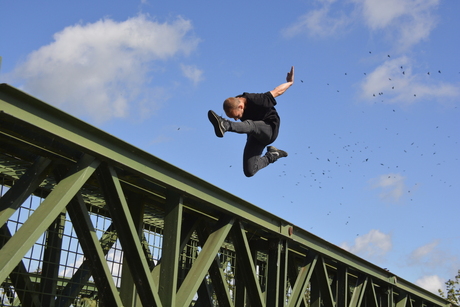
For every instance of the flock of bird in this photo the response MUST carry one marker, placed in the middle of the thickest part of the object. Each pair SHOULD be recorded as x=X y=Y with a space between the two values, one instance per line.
x=327 y=163
x=343 y=159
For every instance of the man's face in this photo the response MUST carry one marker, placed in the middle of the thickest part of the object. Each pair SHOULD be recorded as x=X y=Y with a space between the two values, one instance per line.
x=235 y=113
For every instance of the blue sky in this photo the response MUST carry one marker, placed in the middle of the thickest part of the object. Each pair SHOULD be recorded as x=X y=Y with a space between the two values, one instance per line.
x=371 y=124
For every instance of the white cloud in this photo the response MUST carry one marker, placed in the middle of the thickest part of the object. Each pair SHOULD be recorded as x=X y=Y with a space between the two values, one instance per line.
x=433 y=258
x=192 y=73
x=406 y=22
x=100 y=68
x=394 y=82
x=403 y=23
x=373 y=244
x=410 y=21
x=392 y=186
x=380 y=14
x=320 y=22
x=423 y=251
x=431 y=283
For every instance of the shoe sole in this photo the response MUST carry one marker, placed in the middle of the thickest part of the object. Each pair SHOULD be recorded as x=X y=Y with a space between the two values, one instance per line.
x=282 y=153
x=215 y=122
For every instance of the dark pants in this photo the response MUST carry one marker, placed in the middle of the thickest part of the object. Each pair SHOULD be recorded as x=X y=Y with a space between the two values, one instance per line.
x=259 y=136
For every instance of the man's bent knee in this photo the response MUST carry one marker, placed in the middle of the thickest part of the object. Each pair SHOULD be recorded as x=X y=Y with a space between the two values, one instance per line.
x=249 y=171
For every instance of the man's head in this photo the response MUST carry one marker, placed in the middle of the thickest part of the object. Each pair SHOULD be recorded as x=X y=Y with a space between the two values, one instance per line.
x=234 y=108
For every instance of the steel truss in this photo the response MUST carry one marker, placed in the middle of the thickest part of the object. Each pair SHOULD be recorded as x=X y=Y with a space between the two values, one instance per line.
x=89 y=219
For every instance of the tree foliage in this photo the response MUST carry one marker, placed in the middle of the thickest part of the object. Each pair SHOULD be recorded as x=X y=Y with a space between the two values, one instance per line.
x=452 y=290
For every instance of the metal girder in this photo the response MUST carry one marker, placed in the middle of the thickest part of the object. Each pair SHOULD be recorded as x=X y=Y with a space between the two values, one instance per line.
x=244 y=259
x=216 y=274
x=202 y=263
x=402 y=300
x=13 y=251
x=359 y=291
x=93 y=251
x=128 y=291
x=121 y=216
x=372 y=295
x=51 y=259
x=170 y=252
x=327 y=297
x=277 y=272
x=302 y=279
x=19 y=276
x=343 y=291
x=23 y=188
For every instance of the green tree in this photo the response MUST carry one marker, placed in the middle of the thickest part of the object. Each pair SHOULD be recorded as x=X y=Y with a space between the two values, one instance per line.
x=452 y=290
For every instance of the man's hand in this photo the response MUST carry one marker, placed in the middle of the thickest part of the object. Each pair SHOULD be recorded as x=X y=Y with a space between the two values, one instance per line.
x=290 y=75
x=280 y=89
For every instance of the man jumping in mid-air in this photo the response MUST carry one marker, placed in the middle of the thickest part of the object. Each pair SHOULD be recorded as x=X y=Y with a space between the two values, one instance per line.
x=259 y=120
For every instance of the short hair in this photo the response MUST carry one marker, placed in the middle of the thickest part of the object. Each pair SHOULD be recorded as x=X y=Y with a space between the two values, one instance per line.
x=231 y=103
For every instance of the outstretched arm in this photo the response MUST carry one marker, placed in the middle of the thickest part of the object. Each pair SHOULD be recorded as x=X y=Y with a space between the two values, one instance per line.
x=280 y=89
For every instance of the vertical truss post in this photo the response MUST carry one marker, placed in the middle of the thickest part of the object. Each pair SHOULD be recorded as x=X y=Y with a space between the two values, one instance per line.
x=51 y=257
x=277 y=272
x=342 y=286
x=391 y=300
x=189 y=224
x=171 y=249
x=244 y=259
x=240 y=289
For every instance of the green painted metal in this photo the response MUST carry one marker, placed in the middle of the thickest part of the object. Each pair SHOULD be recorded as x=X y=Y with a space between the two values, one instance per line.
x=51 y=259
x=86 y=216
x=128 y=291
x=216 y=274
x=93 y=250
x=170 y=252
x=23 y=188
x=19 y=277
x=82 y=275
x=203 y=262
x=327 y=297
x=244 y=257
x=342 y=286
x=277 y=272
x=302 y=280
x=121 y=216
x=358 y=293
x=13 y=251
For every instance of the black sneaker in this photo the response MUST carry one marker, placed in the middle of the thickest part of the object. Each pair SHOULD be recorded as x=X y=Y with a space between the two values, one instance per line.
x=276 y=153
x=220 y=124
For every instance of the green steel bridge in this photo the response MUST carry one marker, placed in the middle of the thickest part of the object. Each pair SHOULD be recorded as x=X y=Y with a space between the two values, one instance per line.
x=90 y=220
